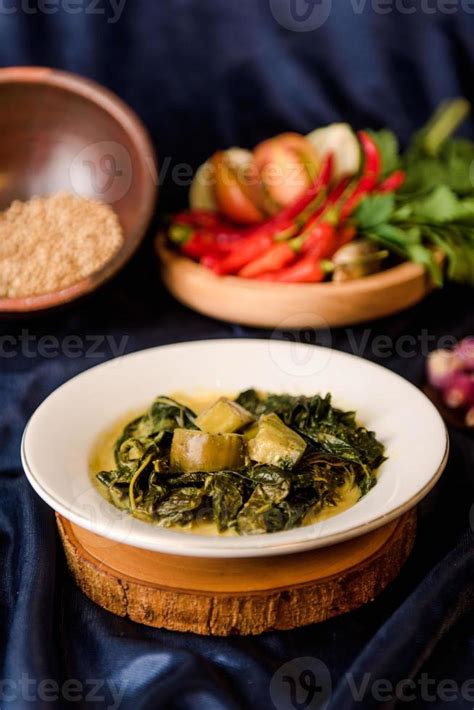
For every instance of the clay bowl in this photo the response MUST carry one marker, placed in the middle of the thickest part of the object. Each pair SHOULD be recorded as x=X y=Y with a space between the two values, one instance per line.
x=62 y=132
x=290 y=306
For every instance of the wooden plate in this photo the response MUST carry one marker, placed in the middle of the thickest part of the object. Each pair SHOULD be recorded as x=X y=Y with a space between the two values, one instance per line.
x=240 y=596
x=270 y=305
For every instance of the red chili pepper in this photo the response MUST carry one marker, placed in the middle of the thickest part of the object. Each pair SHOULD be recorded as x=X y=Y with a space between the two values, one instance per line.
x=239 y=247
x=223 y=233
x=201 y=244
x=320 y=183
x=247 y=250
x=370 y=174
x=393 y=182
x=306 y=270
x=372 y=161
x=269 y=228
x=286 y=218
x=321 y=241
x=281 y=222
x=199 y=218
x=345 y=235
x=197 y=243
x=262 y=237
x=243 y=249
x=228 y=239
x=338 y=190
x=279 y=255
x=332 y=199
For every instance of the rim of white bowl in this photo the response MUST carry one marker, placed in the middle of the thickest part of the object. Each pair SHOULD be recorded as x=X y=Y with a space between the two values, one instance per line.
x=266 y=544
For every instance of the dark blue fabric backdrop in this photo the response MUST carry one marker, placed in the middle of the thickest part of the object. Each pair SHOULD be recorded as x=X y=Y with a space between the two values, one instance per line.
x=205 y=74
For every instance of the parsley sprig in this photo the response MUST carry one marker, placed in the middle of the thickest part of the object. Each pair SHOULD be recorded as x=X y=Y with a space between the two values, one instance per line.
x=434 y=210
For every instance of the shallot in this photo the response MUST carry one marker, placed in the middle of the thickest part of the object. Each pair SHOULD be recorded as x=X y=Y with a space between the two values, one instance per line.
x=460 y=391
x=452 y=373
x=441 y=366
x=465 y=352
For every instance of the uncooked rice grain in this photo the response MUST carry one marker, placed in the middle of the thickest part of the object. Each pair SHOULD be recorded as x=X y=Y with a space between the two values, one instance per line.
x=50 y=243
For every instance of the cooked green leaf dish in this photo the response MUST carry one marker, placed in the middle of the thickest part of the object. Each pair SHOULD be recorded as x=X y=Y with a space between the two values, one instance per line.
x=256 y=464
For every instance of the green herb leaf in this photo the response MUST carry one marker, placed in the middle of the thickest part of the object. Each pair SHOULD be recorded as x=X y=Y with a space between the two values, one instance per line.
x=252 y=518
x=444 y=122
x=179 y=507
x=257 y=498
x=227 y=492
x=373 y=211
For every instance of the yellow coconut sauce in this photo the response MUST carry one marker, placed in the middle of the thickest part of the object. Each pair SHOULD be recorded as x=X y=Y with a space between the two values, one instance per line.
x=102 y=459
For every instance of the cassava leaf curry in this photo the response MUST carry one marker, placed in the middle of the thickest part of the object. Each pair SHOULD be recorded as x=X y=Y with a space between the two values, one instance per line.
x=257 y=463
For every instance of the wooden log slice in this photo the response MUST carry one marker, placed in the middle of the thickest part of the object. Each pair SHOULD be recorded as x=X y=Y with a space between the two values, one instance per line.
x=238 y=596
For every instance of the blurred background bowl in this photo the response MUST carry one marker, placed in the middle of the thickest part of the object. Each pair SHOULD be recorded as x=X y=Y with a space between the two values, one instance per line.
x=62 y=132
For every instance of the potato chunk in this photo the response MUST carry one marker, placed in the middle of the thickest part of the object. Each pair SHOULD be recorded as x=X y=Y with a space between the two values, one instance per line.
x=275 y=443
x=193 y=450
x=224 y=417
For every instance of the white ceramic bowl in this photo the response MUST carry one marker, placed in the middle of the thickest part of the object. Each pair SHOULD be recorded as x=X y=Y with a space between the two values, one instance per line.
x=60 y=436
